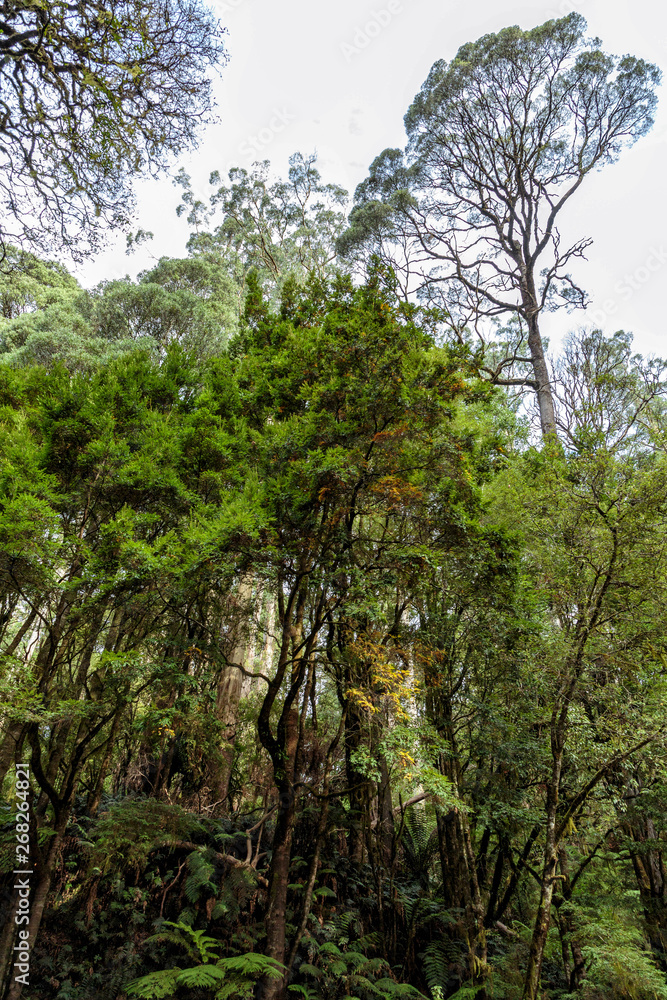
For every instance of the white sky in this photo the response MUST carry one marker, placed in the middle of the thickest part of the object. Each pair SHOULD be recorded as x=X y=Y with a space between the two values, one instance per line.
x=301 y=78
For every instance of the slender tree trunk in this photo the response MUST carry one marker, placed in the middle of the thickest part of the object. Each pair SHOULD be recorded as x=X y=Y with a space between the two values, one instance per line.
x=385 y=811
x=283 y=749
x=45 y=870
x=567 y=927
x=11 y=748
x=319 y=840
x=545 y=399
x=457 y=857
x=7 y=941
x=280 y=862
x=13 y=732
x=95 y=796
x=360 y=800
x=228 y=697
x=269 y=988
x=543 y=916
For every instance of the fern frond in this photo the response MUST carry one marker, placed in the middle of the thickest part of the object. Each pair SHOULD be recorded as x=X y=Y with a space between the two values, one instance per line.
x=253 y=965
x=198 y=945
x=199 y=879
x=436 y=960
x=466 y=993
x=201 y=976
x=305 y=991
x=236 y=989
x=154 y=986
x=309 y=970
x=329 y=948
x=390 y=988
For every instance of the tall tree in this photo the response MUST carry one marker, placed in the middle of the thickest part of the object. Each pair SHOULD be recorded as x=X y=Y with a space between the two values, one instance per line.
x=275 y=227
x=500 y=139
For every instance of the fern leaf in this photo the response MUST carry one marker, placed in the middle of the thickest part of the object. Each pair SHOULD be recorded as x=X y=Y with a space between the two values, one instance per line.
x=201 y=976
x=305 y=991
x=154 y=986
x=254 y=965
x=329 y=948
x=236 y=989
x=310 y=970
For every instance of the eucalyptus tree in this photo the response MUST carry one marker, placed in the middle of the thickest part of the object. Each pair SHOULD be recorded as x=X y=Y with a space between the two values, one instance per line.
x=499 y=141
x=49 y=319
x=192 y=302
x=276 y=227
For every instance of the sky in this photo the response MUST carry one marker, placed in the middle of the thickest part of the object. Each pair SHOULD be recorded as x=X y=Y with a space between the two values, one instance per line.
x=337 y=78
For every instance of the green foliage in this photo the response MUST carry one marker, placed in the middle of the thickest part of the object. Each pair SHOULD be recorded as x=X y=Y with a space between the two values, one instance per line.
x=93 y=97
x=282 y=231
x=280 y=590
x=230 y=978
x=131 y=829
x=499 y=140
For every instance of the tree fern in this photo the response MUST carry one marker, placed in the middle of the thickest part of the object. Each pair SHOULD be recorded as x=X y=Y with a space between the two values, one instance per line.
x=232 y=978
x=436 y=960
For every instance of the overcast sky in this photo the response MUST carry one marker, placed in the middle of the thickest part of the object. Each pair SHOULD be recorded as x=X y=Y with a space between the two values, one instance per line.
x=337 y=78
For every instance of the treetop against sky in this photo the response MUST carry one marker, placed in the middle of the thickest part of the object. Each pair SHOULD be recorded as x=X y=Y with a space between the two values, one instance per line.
x=337 y=79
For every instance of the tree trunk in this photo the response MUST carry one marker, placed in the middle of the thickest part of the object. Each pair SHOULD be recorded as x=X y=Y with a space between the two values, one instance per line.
x=95 y=796
x=567 y=927
x=385 y=811
x=359 y=784
x=281 y=857
x=545 y=400
x=40 y=894
x=275 y=920
x=543 y=917
x=7 y=940
x=649 y=868
x=283 y=749
x=228 y=697
x=11 y=748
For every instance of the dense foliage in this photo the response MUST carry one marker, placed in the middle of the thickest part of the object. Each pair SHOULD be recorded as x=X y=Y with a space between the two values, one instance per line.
x=333 y=677
x=92 y=93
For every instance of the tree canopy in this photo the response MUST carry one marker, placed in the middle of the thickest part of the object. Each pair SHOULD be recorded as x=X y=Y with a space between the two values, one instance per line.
x=93 y=94
x=499 y=140
x=325 y=670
